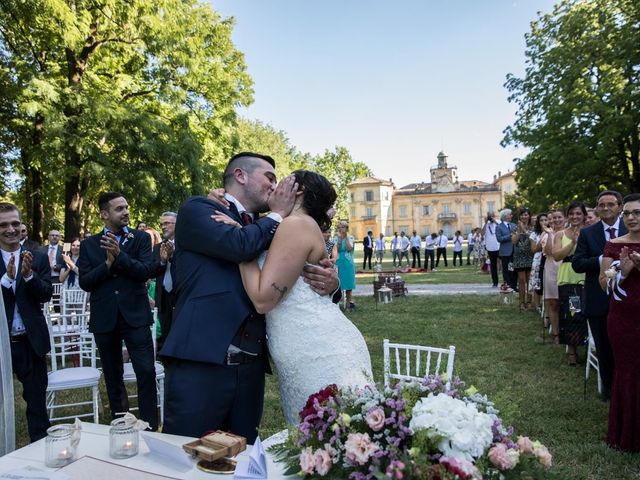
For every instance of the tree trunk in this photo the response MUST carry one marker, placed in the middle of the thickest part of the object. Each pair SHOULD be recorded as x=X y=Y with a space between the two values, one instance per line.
x=73 y=196
x=34 y=214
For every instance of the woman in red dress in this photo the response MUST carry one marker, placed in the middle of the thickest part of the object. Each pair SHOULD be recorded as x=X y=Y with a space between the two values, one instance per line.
x=620 y=275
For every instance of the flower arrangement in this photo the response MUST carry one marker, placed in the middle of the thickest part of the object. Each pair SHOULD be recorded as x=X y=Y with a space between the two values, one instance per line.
x=426 y=429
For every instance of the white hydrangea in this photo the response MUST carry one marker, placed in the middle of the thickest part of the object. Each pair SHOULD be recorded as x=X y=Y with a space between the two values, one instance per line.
x=459 y=429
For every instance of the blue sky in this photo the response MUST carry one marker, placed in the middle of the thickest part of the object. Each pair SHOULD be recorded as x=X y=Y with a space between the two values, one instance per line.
x=394 y=82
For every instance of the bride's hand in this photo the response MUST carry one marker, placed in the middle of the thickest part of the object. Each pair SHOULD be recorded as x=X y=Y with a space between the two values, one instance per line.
x=223 y=218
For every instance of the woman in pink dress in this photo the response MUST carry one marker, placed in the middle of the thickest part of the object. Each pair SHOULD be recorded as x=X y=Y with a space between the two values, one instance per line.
x=620 y=275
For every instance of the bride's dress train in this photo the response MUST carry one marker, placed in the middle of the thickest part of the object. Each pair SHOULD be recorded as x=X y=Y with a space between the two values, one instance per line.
x=313 y=345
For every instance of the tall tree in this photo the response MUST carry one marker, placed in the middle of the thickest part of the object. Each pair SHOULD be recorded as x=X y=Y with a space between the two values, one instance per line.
x=340 y=168
x=137 y=96
x=579 y=102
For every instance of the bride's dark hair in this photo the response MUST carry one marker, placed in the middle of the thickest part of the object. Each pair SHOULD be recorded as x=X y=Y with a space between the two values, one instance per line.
x=318 y=196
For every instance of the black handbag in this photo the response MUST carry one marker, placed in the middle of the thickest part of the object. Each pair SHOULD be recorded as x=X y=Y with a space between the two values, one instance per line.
x=573 y=321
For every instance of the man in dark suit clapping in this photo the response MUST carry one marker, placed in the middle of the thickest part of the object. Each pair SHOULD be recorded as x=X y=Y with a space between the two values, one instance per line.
x=26 y=283
x=587 y=259
x=114 y=266
x=367 y=244
x=164 y=269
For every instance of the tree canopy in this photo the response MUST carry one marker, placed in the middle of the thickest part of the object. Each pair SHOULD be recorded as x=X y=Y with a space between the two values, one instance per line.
x=137 y=96
x=579 y=102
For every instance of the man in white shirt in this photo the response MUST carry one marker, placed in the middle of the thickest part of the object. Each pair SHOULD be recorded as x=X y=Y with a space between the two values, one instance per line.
x=430 y=250
x=416 y=244
x=441 y=248
x=491 y=245
x=404 y=248
x=470 y=243
x=53 y=251
x=395 y=248
x=26 y=283
x=457 y=247
x=379 y=247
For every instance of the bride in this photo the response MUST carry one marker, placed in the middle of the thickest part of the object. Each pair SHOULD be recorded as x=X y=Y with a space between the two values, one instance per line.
x=311 y=342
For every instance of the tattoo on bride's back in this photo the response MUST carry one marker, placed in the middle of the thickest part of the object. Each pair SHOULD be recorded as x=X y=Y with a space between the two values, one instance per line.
x=282 y=290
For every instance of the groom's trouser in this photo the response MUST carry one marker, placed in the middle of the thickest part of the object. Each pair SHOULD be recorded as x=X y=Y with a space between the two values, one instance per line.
x=200 y=397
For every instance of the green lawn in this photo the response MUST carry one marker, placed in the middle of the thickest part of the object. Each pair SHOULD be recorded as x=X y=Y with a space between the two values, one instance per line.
x=500 y=352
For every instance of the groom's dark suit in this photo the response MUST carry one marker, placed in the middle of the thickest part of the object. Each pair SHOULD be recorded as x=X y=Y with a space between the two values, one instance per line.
x=207 y=387
x=586 y=260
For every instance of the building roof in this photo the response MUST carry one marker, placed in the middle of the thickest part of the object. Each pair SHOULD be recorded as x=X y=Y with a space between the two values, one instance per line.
x=371 y=180
x=465 y=186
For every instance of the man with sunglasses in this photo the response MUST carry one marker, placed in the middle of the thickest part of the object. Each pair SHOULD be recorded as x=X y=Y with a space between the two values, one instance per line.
x=25 y=241
x=587 y=259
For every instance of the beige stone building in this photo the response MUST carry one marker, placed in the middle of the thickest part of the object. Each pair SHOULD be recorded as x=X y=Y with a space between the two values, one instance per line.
x=445 y=203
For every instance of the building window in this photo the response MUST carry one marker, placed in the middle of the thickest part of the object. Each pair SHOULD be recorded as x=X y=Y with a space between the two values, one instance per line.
x=425 y=210
x=467 y=228
x=353 y=211
x=467 y=208
x=353 y=197
x=508 y=188
x=403 y=211
x=368 y=196
x=403 y=228
x=369 y=212
x=386 y=196
x=387 y=231
x=426 y=231
x=446 y=208
x=491 y=206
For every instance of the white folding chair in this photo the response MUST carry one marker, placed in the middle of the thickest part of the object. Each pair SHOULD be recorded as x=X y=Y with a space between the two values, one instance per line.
x=592 y=362
x=67 y=348
x=55 y=297
x=130 y=376
x=414 y=362
x=73 y=300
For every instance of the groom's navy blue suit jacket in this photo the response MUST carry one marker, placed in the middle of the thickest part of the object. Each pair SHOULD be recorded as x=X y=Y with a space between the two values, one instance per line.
x=211 y=301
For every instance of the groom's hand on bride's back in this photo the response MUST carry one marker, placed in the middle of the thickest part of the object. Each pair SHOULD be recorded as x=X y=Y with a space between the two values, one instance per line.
x=322 y=278
x=282 y=199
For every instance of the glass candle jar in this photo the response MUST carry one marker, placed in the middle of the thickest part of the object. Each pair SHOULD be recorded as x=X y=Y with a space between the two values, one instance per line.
x=123 y=439
x=59 y=449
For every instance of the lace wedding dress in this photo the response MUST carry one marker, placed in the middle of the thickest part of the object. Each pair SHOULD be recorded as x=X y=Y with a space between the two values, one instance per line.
x=313 y=345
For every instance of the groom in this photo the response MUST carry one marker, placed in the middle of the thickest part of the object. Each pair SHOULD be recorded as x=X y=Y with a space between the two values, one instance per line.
x=216 y=350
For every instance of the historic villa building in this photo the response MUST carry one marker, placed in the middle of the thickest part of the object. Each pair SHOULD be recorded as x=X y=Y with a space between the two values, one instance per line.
x=444 y=203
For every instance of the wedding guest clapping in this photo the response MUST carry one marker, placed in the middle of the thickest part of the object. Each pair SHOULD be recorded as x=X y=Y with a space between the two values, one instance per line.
x=69 y=272
x=523 y=256
x=570 y=283
x=623 y=280
x=344 y=262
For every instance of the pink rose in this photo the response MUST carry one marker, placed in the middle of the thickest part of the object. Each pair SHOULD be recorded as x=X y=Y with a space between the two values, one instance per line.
x=525 y=445
x=543 y=455
x=359 y=447
x=499 y=456
x=323 y=462
x=307 y=460
x=375 y=419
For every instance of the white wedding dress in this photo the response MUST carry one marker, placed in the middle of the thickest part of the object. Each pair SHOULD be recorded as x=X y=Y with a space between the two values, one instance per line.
x=313 y=345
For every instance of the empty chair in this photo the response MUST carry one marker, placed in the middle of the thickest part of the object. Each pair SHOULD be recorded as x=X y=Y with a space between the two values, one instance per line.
x=73 y=300
x=67 y=349
x=592 y=362
x=414 y=362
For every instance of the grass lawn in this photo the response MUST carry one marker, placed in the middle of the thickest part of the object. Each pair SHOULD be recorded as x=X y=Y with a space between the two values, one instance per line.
x=501 y=353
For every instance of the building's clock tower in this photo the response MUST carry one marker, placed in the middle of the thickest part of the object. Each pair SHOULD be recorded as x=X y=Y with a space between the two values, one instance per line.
x=443 y=177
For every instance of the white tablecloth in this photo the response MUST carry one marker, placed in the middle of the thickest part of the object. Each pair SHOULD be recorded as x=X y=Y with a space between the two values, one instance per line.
x=95 y=443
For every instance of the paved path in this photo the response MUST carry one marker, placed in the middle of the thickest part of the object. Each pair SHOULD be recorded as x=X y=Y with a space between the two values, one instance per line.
x=442 y=289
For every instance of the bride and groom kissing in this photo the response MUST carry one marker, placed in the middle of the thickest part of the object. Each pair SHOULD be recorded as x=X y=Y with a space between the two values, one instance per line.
x=220 y=342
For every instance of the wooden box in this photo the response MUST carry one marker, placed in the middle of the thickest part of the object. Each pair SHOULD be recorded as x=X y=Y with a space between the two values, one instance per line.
x=216 y=445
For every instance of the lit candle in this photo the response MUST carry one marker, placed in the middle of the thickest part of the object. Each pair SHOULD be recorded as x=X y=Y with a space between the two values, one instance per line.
x=65 y=455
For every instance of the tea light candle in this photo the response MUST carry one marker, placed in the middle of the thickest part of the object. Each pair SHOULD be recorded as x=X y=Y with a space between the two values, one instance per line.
x=65 y=455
